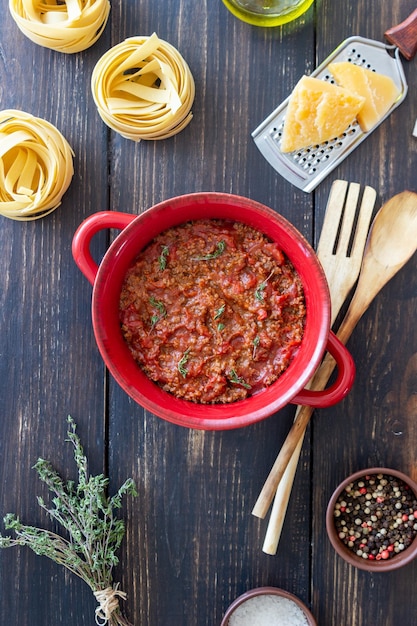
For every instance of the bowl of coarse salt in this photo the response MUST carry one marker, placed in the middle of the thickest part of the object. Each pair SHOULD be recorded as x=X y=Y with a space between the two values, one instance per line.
x=268 y=606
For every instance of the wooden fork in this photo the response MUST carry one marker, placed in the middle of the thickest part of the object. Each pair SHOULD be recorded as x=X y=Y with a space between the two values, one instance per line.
x=340 y=252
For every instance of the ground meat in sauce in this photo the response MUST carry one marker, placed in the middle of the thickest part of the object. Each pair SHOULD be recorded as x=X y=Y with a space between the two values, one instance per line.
x=212 y=311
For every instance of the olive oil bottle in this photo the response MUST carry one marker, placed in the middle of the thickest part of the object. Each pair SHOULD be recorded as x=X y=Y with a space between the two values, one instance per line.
x=268 y=12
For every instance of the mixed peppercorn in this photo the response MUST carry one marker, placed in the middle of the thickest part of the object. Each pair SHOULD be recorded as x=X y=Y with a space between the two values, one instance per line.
x=376 y=516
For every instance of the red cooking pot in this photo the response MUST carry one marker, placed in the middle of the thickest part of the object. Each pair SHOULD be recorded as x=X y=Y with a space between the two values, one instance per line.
x=136 y=232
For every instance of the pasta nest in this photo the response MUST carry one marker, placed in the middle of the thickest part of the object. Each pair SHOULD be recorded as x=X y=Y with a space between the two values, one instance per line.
x=143 y=89
x=68 y=26
x=36 y=166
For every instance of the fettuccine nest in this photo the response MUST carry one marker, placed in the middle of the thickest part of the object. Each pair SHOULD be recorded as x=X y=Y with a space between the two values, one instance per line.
x=36 y=166
x=67 y=26
x=144 y=89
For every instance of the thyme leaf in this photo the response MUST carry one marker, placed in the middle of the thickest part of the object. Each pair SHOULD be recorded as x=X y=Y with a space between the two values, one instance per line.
x=259 y=291
x=183 y=362
x=160 y=306
x=220 y=248
x=238 y=380
x=219 y=312
x=217 y=315
x=87 y=515
x=163 y=257
x=256 y=343
x=154 y=320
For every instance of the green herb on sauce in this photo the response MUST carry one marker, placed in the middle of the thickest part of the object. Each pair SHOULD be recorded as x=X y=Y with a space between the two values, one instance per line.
x=238 y=380
x=220 y=248
x=259 y=292
x=160 y=306
x=219 y=312
x=256 y=343
x=163 y=257
x=183 y=362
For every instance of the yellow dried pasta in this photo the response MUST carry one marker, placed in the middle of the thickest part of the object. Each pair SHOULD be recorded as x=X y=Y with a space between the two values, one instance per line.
x=36 y=166
x=68 y=26
x=143 y=89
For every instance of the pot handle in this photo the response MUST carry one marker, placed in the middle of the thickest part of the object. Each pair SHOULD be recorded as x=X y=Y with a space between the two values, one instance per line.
x=86 y=231
x=343 y=383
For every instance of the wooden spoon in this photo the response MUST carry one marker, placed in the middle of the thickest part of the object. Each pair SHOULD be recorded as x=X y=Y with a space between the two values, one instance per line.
x=391 y=242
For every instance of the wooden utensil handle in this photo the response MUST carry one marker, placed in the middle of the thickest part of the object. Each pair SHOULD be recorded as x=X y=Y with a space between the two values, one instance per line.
x=279 y=507
x=296 y=433
x=404 y=36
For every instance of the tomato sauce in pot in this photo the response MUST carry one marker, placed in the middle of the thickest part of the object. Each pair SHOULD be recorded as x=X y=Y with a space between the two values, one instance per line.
x=212 y=311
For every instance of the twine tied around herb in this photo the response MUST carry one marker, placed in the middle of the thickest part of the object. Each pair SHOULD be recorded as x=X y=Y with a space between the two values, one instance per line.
x=108 y=600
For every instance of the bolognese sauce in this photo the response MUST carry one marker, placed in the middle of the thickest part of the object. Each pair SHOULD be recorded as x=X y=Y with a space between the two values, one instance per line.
x=212 y=311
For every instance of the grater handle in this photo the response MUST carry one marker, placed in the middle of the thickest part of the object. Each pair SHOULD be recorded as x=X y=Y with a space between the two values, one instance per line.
x=404 y=36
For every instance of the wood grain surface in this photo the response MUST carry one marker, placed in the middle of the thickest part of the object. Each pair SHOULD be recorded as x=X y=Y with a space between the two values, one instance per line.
x=192 y=544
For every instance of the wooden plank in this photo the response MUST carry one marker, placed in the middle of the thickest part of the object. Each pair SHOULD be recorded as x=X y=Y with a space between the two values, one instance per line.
x=50 y=366
x=191 y=531
x=374 y=426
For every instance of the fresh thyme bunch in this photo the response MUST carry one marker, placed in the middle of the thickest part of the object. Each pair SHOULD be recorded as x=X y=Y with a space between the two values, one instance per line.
x=94 y=534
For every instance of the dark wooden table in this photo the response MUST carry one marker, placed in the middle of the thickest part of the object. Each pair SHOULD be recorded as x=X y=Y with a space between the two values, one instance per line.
x=192 y=544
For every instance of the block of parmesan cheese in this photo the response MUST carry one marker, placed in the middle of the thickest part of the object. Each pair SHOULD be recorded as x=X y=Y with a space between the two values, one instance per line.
x=380 y=91
x=317 y=111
